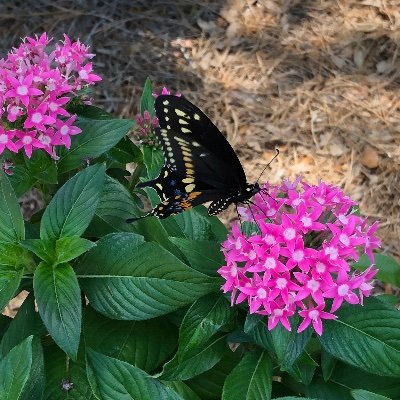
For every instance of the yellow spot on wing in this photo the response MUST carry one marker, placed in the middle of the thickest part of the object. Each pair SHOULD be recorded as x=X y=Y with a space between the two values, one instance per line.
x=180 y=113
x=183 y=122
x=188 y=180
x=165 y=110
x=185 y=130
x=196 y=117
x=189 y=188
x=165 y=102
x=159 y=185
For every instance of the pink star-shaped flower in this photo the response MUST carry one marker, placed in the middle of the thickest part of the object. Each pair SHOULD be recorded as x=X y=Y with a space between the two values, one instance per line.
x=22 y=89
x=314 y=315
x=6 y=140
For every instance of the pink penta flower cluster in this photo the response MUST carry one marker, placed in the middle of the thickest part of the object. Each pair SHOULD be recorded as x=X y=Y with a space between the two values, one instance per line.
x=146 y=124
x=298 y=259
x=36 y=84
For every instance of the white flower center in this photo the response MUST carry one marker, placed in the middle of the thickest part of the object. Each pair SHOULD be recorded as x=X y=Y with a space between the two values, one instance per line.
x=343 y=290
x=15 y=110
x=27 y=140
x=298 y=255
x=278 y=312
x=46 y=140
x=320 y=267
x=281 y=283
x=37 y=117
x=261 y=293
x=313 y=314
x=252 y=255
x=238 y=244
x=233 y=270
x=313 y=285
x=343 y=219
x=344 y=239
x=3 y=138
x=289 y=233
x=64 y=130
x=332 y=252
x=51 y=86
x=296 y=202
x=22 y=90
x=269 y=239
x=271 y=212
x=53 y=106
x=83 y=74
x=270 y=263
x=307 y=221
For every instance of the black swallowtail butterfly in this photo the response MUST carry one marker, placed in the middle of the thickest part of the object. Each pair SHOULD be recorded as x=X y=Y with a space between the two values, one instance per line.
x=200 y=165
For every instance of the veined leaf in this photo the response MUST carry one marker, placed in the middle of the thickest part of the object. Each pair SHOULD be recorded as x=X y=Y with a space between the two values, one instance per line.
x=125 y=278
x=73 y=206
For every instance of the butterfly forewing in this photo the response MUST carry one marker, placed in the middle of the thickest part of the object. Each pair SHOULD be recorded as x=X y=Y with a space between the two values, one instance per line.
x=200 y=165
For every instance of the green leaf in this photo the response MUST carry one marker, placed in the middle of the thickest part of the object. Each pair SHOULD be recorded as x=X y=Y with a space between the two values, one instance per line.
x=289 y=345
x=147 y=99
x=115 y=206
x=389 y=268
x=60 y=368
x=35 y=385
x=15 y=369
x=145 y=344
x=70 y=247
x=153 y=158
x=14 y=255
x=319 y=389
x=209 y=384
x=41 y=167
x=91 y=112
x=10 y=279
x=196 y=224
x=352 y=378
x=251 y=379
x=204 y=318
x=198 y=362
x=360 y=394
x=294 y=398
x=112 y=379
x=97 y=137
x=256 y=327
x=124 y=152
x=73 y=206
x=11 y=222
x=182 y=389
x=328 y=364
x=21 y=180
x=44 y=249
x=59 y=302
x=367 y=337
x=203 y=255
x=125 y=278
x=153 y=231
x=26 y=323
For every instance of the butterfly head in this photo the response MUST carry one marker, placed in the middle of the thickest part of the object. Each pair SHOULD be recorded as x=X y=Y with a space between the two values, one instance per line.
x=250 y=190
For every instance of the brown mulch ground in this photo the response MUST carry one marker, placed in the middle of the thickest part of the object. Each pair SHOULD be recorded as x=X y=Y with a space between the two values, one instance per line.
x=318 y=79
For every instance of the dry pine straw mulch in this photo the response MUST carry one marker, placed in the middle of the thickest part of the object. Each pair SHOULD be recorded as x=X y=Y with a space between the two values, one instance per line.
x=317 y=79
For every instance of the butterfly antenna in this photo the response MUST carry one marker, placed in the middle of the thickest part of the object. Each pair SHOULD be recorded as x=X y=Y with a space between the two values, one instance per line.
x=272 y=159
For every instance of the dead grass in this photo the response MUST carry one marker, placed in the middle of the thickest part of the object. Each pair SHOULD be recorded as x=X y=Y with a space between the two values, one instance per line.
x=318 y=79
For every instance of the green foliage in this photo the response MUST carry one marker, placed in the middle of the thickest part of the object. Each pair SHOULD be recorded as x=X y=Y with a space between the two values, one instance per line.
x=123 y=311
